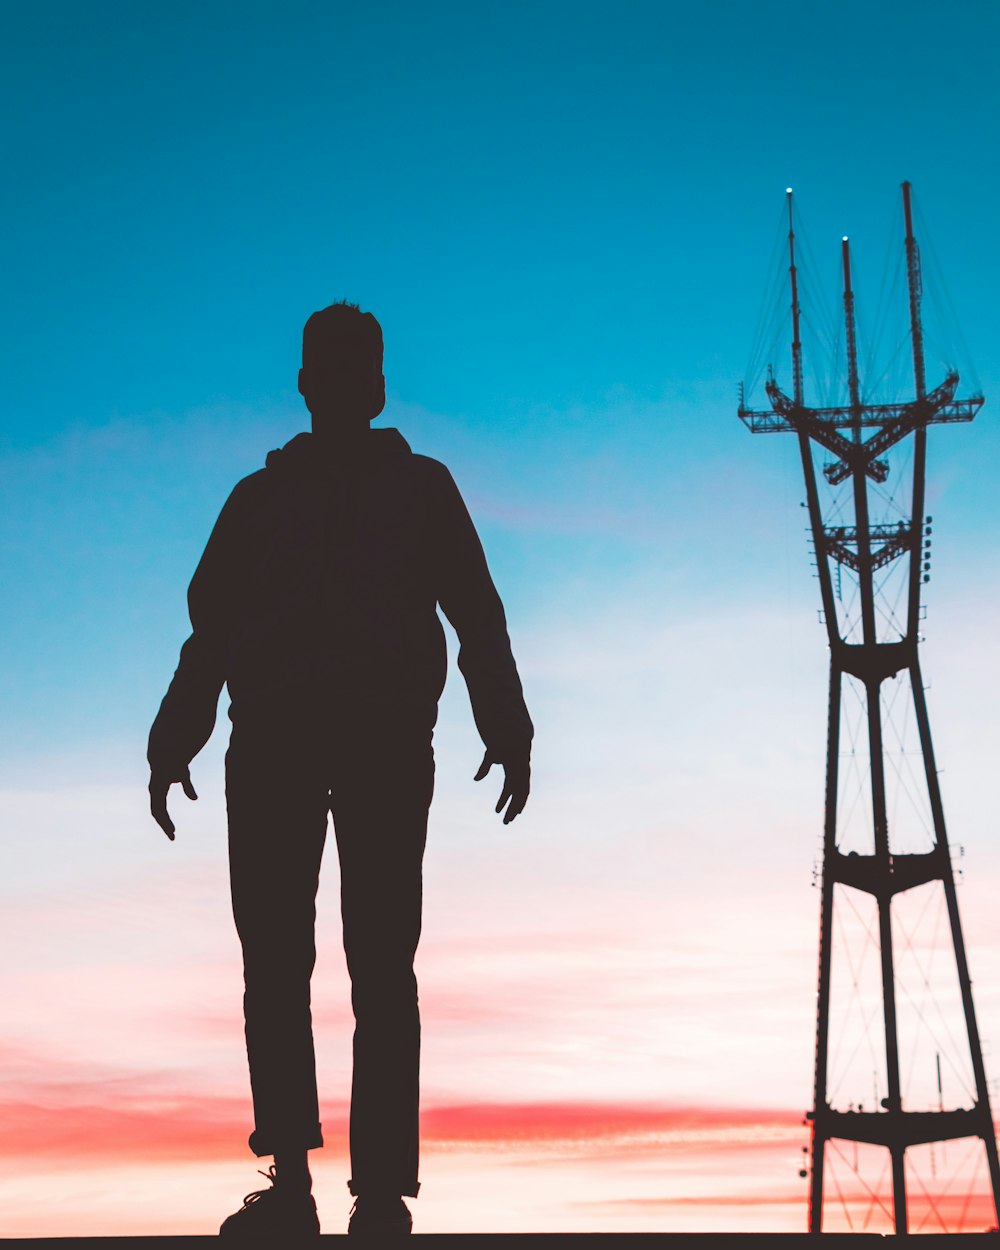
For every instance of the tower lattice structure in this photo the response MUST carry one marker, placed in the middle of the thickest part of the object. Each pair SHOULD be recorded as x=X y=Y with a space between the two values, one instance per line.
x=855 y=439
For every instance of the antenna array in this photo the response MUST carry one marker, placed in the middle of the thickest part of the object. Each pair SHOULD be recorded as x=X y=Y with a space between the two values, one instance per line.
x=876 y=646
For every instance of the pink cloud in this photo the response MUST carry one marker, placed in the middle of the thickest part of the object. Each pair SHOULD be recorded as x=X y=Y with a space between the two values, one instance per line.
x=693 y=1158
x=593 y=1121
x=711 y=1202
x=89 y=1135
x=107 y=1117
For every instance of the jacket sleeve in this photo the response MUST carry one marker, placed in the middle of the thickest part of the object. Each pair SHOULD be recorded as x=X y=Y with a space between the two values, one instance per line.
x=470 y=601
x=187 y=714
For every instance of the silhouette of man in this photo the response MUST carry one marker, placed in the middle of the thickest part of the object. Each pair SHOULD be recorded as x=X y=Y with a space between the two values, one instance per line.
x=315 y=602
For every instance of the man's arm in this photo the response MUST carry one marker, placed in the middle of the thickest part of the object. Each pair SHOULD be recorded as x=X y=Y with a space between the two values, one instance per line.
x=187 y=714
x=471 y=603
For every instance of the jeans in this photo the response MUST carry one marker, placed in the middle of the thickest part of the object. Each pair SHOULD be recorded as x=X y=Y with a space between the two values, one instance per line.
x=284 y=773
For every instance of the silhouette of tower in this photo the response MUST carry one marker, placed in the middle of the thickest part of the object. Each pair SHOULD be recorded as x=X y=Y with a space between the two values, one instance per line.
x=873 y=643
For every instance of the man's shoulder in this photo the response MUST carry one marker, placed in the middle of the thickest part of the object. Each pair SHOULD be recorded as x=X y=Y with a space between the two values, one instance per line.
x=254 y=484
x=253 y=481
x=248 y=496
x=435 y=472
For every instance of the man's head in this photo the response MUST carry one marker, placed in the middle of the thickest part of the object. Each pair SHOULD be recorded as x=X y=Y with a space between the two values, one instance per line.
x=341 y=376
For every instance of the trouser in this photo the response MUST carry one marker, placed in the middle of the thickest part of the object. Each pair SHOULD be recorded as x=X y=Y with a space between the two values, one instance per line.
x=284 y=775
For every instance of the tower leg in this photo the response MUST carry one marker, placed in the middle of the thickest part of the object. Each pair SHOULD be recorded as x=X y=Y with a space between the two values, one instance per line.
x=893 y=1101
x=825 y=952
x=951 y=899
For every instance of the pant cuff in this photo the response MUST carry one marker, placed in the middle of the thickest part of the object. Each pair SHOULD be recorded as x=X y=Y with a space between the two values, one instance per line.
x=264 y=1143
x=409 y=1189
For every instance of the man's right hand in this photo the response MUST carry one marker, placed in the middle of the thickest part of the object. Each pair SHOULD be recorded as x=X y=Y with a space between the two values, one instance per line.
x=160 y=781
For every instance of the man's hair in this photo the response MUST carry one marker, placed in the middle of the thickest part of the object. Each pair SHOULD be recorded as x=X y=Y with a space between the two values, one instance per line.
x=338 y=326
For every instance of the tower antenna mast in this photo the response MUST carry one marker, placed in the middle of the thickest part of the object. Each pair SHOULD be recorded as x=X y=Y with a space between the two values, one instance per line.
x=793 y=278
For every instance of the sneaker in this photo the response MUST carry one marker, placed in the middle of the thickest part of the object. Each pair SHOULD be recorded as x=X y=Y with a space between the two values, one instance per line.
x=379 y=1217
x=274 y=1212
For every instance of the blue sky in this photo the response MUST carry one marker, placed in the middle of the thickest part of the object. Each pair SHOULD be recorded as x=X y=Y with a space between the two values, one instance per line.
x=563 y=215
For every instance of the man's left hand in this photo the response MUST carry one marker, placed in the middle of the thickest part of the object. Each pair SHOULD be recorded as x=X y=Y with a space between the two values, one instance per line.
x=516 y=782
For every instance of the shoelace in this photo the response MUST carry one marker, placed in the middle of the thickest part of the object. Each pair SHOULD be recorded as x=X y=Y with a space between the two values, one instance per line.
x=270 y=1175
x=397 y=1208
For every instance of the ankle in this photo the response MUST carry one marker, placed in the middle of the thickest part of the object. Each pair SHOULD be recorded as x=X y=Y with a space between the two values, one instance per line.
x=291 y=1171
x=381 y=1200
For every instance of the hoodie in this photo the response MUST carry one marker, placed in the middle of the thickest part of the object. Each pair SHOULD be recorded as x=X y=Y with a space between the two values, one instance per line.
x=319 y=587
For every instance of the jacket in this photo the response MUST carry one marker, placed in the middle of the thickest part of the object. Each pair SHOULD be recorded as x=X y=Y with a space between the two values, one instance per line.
x=320 y=584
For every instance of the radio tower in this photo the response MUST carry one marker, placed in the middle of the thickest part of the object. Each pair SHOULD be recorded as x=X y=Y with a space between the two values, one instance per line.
x=856 y=437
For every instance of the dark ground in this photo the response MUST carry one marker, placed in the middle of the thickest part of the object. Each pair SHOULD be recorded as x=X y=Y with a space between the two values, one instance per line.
x=538 y=1241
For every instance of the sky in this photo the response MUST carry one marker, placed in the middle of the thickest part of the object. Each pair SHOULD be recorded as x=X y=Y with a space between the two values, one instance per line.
x=564 y=217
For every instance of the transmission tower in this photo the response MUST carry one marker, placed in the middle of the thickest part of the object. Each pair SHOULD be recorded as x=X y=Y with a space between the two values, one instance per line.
x=876 y=647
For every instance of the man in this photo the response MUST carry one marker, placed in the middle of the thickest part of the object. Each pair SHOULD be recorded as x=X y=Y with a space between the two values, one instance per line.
x=315 y=601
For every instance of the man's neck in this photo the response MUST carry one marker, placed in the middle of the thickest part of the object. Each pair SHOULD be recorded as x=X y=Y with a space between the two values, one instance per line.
x=340 y=439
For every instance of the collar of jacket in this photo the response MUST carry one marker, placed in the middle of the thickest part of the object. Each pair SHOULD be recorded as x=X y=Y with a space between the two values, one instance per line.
x=302 y=453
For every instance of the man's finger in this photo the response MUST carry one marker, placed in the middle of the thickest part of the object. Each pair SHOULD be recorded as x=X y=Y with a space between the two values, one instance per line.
x=505 y=794
x=158 y=809
x=517 y=803
x=484 y=767
x=188 y=787
x=158 y=791
x=518 y=787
